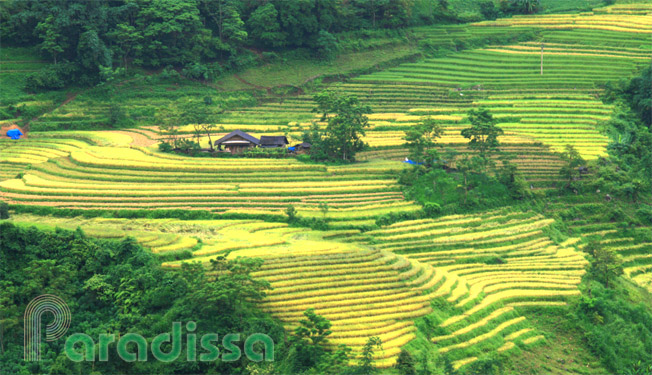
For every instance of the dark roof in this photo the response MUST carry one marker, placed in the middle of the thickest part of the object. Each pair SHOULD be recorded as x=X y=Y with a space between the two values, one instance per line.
x=241 y=134
x=304 y=145
x=273 y=140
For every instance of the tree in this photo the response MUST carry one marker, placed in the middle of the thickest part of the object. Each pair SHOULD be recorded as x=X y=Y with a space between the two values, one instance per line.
x=118 y=117
x=405 y=363
x=291 y=213
x=54 y=41
x=525 y=6
x=323 y=207
x=421 y=140
x=483 y=133
x=326 y=45
x=128 y=40
x=309 y=340
x=264 y=26
x=4 y=210
x=571 y=162
x=366 y=365
x=346 y=124
x=604 y=264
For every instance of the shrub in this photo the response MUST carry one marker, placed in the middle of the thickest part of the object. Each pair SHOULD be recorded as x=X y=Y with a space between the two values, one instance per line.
x=645 y=214
x=405 y=363
x=54 y=77
x=4 y=211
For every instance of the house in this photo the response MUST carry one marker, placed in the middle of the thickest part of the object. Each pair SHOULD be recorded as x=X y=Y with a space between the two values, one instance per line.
x=237 y=141
x=301 y=148
x=267 y=141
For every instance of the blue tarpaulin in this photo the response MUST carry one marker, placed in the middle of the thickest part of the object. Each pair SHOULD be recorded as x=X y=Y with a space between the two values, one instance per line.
x=14 y=133
x=291 y=148
x=412 y=162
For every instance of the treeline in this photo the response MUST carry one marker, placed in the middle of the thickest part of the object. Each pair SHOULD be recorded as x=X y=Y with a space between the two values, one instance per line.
x=88 y=39
x=84 y=39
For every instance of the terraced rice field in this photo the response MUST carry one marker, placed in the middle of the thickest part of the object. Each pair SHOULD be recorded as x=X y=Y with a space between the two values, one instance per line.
x=83 y=176
x=581 y=53
x=634 y=245
x=491 y=265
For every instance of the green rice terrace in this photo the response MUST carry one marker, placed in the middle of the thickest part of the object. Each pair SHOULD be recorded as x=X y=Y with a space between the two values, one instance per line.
x=466 y=192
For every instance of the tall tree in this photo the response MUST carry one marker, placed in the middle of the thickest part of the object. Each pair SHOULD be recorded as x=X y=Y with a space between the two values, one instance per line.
x=54 y=42
x=346 y=124
x=483 y=133
x=572 y=160
x=421 y=140
x=128 y=41
x=264 y=26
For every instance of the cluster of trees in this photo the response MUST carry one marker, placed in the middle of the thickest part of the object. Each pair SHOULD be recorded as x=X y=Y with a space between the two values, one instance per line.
x=346 y=122
x=459 y=180
x=88 y=40
x=627 y=173
x=116 y=287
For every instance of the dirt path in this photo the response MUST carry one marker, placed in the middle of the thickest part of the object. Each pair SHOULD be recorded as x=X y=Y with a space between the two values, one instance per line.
x=138 y=139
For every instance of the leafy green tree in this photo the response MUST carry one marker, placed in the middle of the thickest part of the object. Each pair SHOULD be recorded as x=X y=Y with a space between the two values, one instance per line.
x=346 y=124
x=525 y=6
x=323 y=207
x=467 y=165
x=170 y=30
x=54 y=42
x=326 y=45
x=4 y=211
x=405 y=363
x=421 y=140
x=366 y=365
x=309 y=340
x=128 y=41
x=604 y=264
x=264 y=26
x=483 y=134
x=572 y=160
x=291 y=213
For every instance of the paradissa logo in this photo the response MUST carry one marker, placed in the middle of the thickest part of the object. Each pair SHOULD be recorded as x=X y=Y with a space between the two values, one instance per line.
x=81 y=347
x=207 y=342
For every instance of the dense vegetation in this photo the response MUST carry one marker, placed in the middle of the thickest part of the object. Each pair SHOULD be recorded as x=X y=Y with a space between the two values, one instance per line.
x=88 y=40
x=476 y=199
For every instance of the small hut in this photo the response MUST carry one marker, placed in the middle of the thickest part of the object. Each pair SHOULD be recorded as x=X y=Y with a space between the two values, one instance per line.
x=237 y=142
x=302 y=148
x=268 y=141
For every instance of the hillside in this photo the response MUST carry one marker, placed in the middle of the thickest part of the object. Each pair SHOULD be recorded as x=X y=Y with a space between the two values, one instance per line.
x=547 y=270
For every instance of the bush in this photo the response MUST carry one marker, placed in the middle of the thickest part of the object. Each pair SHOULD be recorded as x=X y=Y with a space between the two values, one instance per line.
x=326 y=46
x=54 y=77
x=405 y=363
x=645 y=215
x=4 y=211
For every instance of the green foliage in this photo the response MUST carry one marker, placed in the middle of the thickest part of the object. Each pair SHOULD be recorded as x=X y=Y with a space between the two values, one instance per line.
x=421 y=140
x=366 y=363
x=308 y=351
x=617 y=324
x=118 y=117
x=604 y=264
x=569 y=171
x=119 y=287
x=4 y=211
x=347 y=122
x=405 y=363
x=483 y=137
x=326 y=46
x=264 y=27
x=291 y=213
